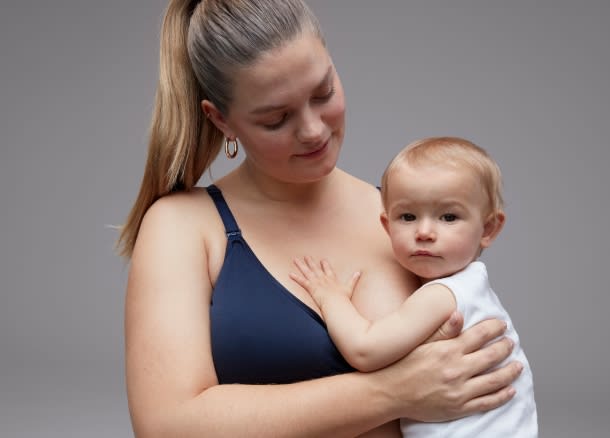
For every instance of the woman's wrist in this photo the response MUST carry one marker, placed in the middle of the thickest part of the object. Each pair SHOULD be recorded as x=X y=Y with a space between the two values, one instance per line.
x=389 y=401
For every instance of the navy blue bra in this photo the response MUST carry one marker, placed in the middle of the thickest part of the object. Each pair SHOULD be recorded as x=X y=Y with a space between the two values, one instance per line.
x=260 y=332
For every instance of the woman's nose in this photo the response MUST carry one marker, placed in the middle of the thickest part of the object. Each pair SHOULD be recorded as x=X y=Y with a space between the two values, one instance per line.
x=311 y=127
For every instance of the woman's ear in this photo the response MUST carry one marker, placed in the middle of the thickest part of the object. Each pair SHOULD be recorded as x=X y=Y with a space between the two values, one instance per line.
x=212 y=113
x=492 y=227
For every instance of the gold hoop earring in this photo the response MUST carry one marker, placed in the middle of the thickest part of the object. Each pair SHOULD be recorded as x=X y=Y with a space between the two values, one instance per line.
x=231 y=153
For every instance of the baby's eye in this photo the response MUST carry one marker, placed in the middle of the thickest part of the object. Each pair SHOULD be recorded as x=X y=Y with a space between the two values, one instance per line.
x=407 y=217
x=449 y=217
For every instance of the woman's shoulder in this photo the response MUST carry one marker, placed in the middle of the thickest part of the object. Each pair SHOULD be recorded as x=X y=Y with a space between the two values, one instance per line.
x=189 y=213
x=179 y=204
x=356 y=187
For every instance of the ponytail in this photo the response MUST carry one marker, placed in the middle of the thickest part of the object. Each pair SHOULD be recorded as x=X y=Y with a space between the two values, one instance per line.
x=182 y=143
x=203 y=44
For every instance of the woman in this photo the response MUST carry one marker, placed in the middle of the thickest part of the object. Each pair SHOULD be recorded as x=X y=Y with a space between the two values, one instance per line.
x=212 y=318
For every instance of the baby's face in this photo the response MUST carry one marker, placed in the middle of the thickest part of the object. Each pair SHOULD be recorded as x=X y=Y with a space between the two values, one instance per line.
x=434 y=218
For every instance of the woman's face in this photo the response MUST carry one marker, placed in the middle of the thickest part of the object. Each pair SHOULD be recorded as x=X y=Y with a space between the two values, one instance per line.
x=288 y=112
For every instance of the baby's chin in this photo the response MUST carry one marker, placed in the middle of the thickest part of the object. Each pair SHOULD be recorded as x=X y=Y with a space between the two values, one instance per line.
x=427 y=274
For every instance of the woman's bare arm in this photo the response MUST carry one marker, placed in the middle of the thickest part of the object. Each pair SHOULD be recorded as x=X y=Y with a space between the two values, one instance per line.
x=172 y=385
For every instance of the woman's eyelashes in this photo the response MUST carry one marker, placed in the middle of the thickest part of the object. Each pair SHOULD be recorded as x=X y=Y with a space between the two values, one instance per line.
x=327 y=96
x=276 y=124
x=322 y=99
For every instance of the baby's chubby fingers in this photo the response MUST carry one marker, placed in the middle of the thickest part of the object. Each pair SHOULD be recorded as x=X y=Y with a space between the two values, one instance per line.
x=327 y=269
x=303 y=276
x=303 y=265
x=315 y=268
x=300 y=280
x=310 y=273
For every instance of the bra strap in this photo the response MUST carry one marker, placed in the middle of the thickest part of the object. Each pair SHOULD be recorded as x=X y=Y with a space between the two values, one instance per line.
x=227 y=217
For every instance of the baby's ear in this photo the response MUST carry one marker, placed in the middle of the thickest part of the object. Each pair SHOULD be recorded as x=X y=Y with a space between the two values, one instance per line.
x=383 y=217
x=492 y=227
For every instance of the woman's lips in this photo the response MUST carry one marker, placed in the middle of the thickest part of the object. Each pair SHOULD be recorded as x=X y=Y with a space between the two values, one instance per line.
x=316 y=152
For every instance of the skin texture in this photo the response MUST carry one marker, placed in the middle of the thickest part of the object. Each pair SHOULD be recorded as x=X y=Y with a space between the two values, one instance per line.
x=287 y=202
x=436 y=229
x=367 y=345
x=438 y=225
x=292 y=130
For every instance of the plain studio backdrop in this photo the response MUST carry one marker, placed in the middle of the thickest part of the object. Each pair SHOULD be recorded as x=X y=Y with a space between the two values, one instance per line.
x=527 y=80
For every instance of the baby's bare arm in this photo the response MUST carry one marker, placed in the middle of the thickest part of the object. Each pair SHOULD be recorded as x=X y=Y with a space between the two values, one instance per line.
x=368 y=345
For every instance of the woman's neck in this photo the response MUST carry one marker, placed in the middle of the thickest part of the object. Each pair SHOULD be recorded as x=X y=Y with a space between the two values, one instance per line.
x=263 y=188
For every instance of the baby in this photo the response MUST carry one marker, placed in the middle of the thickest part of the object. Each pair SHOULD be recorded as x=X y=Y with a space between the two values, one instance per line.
x=442 y=206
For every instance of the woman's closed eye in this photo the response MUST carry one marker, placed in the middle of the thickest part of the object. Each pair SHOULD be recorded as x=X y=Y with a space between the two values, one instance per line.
x=277 y=123
x=326 y=97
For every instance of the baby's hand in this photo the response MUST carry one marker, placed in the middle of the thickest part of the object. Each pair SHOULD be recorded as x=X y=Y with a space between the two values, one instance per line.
x=320 y=281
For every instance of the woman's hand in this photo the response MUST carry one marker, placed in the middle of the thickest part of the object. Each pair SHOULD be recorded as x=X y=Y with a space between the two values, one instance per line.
x=447 y=379
x=450 y=328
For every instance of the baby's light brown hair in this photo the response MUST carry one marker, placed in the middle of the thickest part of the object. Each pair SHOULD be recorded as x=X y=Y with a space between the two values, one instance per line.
x=456 y=152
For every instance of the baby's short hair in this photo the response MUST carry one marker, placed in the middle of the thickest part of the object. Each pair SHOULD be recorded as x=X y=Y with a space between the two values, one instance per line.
x=453 y=151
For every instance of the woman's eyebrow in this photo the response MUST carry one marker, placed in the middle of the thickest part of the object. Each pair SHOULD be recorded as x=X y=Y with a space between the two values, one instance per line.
x=271 y=108
x=267 y=109
x=326 y=77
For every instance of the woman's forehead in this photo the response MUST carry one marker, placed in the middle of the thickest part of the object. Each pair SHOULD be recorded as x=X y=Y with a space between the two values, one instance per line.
x=297 y=67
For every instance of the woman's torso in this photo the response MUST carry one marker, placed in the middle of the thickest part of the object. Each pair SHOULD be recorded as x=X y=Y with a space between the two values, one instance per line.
x=260 y=332
x=348 y=233
x=343 y=227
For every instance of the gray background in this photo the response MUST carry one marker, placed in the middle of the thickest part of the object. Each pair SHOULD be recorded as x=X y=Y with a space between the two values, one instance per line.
x=528 y=80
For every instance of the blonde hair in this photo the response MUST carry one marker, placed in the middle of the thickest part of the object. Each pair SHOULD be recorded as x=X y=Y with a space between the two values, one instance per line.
x=453 y=151
x=203 y=43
